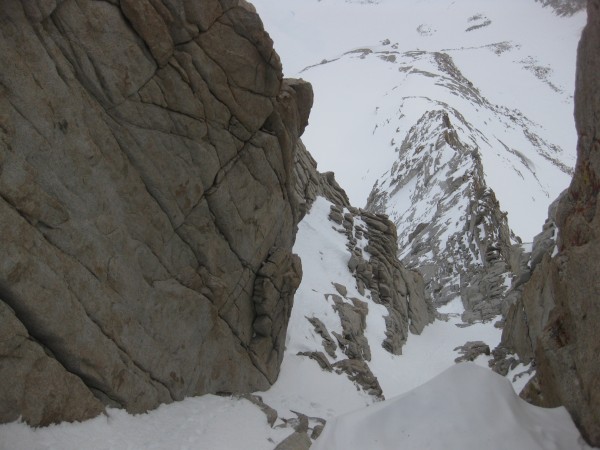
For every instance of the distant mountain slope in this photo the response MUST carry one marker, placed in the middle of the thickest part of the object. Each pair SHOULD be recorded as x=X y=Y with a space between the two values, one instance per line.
x=459 y=114
x=518 y=54
x=458 y=158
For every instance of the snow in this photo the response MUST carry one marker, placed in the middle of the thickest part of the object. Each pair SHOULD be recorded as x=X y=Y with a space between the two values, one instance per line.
x=426 y=356
x=208 y=422
x=302 y=385
x=522 y=62
x=465 y=408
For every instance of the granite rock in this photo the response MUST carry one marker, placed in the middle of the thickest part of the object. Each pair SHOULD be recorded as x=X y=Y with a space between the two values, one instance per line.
x=556 y=318
x=147 y=203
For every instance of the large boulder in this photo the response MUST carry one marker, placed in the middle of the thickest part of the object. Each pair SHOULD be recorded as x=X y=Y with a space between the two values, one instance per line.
x=147 y=204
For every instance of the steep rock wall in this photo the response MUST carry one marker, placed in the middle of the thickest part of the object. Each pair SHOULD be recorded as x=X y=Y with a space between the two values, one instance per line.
x=556 y=319
x=147 y=205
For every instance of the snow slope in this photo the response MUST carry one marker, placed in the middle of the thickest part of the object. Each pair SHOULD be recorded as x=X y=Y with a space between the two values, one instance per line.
x=519 y=56
x=464 y=408
x=207 y=422
x=323 y=249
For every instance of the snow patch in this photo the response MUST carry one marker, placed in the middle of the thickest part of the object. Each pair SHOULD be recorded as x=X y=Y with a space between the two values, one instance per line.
x=465 y=408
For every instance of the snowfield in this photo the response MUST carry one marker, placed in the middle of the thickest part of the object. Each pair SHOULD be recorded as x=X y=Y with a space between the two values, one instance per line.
x=207 y=422
x=423 y=357
x=372 y=84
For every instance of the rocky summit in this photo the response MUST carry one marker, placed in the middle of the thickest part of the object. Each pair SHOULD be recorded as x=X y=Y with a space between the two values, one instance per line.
x=147 y=204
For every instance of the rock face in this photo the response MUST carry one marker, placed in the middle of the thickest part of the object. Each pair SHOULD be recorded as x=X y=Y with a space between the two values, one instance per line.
x=531 y=316
x=378 y=277
x=559 y=311
x=461 y=242
x=147 y=204
x=471 y=350
x=374 y=265
x=311 y=183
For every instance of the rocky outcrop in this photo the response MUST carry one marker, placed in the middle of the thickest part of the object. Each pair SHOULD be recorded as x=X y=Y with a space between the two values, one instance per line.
x=296 y=441
x=460 y=240
x=379 y=276
x=373 y=246
x=531 y=315
x=147 y=204
x=311 y=183
x=376 y=267
x=483 y=280
x=471 y=350
x=564 y=7
x=559 y=311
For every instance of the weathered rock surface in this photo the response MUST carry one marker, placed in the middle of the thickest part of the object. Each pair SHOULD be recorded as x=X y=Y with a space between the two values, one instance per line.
x=460 y=240
x=359 y=371
x=311 y=183
x=328 y=343
x=372 y=246
x=147 y=204
x=35 y=377
x=523 y=308
x=471 y=350
x=376 y=267
x=306 y=429
x=353 y=317
x=559 y=311
x=295 y=441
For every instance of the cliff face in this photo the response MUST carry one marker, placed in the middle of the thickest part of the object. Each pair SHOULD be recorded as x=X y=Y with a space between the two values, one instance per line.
x=147 y=204
x=558 y=314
